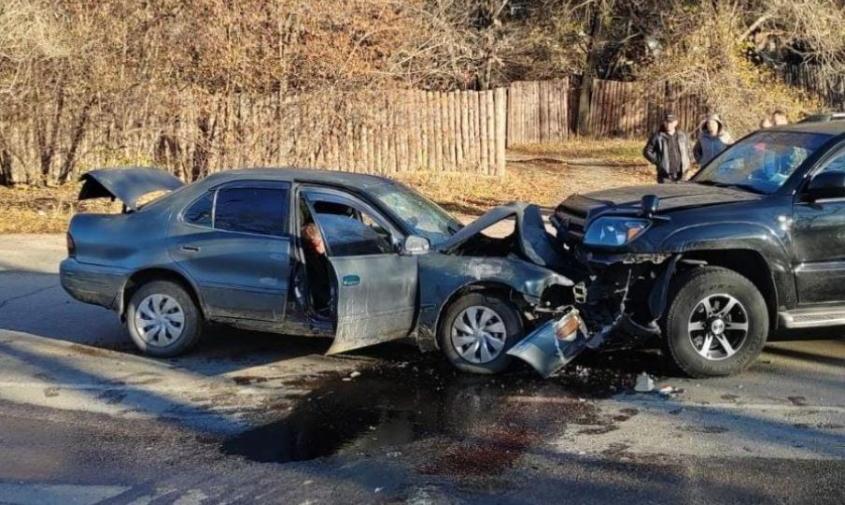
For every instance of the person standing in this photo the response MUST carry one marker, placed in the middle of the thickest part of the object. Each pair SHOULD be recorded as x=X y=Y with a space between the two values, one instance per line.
x=779 y=118
x=713 y=138
x=668 y=151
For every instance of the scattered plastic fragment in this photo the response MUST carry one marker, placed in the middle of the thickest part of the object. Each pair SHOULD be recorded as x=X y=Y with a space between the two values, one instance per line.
x=644 y=383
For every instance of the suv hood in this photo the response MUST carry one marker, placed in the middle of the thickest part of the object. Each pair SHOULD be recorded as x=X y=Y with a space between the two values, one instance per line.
x=672 y=197
x=126 y=184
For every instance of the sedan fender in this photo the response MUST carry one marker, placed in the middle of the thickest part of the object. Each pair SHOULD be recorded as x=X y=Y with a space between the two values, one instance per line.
x=443 y=277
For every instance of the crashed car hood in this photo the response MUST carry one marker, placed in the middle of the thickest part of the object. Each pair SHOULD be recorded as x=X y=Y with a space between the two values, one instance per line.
x=126 y=184
x=672 y=196
x=533 y=240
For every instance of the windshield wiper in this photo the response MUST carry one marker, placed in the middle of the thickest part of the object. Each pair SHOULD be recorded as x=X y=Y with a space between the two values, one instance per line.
x=749 y=188
x=745 y=187
x=714 y=183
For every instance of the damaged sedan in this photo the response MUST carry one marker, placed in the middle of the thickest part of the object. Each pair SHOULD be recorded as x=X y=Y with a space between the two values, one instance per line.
x=356 y=258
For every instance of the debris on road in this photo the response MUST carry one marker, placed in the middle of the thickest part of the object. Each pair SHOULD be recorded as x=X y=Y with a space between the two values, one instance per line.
x=554 y=344
x=645 y=384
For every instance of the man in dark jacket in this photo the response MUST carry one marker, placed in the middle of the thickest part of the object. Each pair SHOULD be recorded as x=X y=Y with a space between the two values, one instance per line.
x=668 y=151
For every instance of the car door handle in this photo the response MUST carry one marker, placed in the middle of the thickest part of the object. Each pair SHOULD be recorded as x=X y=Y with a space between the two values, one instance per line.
x=351 y=280
x=190 y=248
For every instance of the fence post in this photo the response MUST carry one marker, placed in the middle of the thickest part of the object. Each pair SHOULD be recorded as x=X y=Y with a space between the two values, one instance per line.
x=482 y=130
x=491 y=131
x=422 y=126
x=501 y=99
x=472 y=127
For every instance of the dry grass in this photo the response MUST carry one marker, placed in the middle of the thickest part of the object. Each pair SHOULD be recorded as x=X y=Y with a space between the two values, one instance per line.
x=542 y=182
x=44 y=210
x=539 y=178
x=609 y=151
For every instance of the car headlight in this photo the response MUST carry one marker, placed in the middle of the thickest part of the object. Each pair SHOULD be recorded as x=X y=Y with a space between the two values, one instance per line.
x=615 y=231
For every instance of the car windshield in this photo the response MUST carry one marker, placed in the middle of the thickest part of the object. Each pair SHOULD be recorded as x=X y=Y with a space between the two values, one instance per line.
x=761 y=162
x=424 y=217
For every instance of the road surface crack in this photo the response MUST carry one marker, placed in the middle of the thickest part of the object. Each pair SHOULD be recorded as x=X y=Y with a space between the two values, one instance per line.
x=3 y=303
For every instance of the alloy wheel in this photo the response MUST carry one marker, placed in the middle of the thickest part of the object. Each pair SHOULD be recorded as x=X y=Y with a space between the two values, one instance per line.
x=718 y=326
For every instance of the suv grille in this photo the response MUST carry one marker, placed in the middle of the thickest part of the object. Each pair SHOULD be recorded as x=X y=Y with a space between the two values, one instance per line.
x=569 y=223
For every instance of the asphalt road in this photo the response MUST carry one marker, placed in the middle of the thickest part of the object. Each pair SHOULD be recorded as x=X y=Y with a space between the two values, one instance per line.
x=261 y=418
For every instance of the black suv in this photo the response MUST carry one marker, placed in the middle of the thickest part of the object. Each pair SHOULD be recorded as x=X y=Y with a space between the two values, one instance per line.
x=755 y=241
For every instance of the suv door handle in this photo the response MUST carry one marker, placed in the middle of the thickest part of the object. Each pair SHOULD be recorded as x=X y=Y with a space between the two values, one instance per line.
x=190 y=248
x=351 y=280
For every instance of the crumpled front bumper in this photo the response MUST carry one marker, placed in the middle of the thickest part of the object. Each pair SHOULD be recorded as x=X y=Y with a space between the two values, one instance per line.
x=556 y=342
x=611 y=312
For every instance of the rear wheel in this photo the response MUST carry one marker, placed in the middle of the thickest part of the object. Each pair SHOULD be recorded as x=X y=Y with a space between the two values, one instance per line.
x=717 y=323
x=477 y=330
x=163 y=319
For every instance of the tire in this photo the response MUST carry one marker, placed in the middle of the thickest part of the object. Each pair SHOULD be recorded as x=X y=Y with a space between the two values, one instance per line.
x=688 y=326
x=153 y=303
x=503 y=327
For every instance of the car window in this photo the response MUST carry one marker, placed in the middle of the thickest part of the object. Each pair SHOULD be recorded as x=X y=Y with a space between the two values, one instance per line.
x=251 y=210
x=837 y=164
x=349 y=231
x=761 y=162
x=199 y=213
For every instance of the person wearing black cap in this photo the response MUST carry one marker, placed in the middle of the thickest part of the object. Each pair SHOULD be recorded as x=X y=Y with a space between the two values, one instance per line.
x=668 y=151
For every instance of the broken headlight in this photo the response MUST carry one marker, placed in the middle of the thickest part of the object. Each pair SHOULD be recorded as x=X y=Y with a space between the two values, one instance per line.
x=614 y=231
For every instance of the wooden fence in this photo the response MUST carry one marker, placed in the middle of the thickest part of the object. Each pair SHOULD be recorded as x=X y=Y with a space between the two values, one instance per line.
x=545 y=111
x=829 y=89
x=413 y=130
x=538 y=112
x=195 y=133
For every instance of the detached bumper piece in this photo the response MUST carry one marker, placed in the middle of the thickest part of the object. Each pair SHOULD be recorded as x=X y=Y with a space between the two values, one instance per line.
x=554 y=344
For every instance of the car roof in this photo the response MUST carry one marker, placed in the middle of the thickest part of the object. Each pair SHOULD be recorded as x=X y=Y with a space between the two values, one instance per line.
x=289 y=174
x=824 y=127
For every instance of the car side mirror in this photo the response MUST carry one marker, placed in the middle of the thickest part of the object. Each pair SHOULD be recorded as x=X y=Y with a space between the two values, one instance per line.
x=414 y=244
x=826 y=185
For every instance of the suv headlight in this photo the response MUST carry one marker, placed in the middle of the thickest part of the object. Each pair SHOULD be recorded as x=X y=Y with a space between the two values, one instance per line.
x=614 y=231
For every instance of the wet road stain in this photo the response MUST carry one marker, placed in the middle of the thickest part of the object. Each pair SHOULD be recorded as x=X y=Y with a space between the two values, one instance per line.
x=246 y=380
x=473 y=425
x=88 y=351
x=706 y=428
x=112 y=396
x=798 y=401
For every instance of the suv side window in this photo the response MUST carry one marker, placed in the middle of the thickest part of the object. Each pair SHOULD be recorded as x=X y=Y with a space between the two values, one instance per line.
x=836 y=164
x=251 y=210
x=199 y=213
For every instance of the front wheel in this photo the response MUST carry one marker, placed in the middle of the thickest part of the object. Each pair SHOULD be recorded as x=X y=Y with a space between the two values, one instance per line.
x=717 y=323
x=476 y=331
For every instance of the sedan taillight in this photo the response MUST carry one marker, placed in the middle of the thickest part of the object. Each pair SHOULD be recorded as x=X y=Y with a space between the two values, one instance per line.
x=71 y=246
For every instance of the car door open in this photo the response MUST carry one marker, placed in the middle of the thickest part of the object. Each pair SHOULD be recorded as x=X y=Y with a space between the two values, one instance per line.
x=376 y=292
